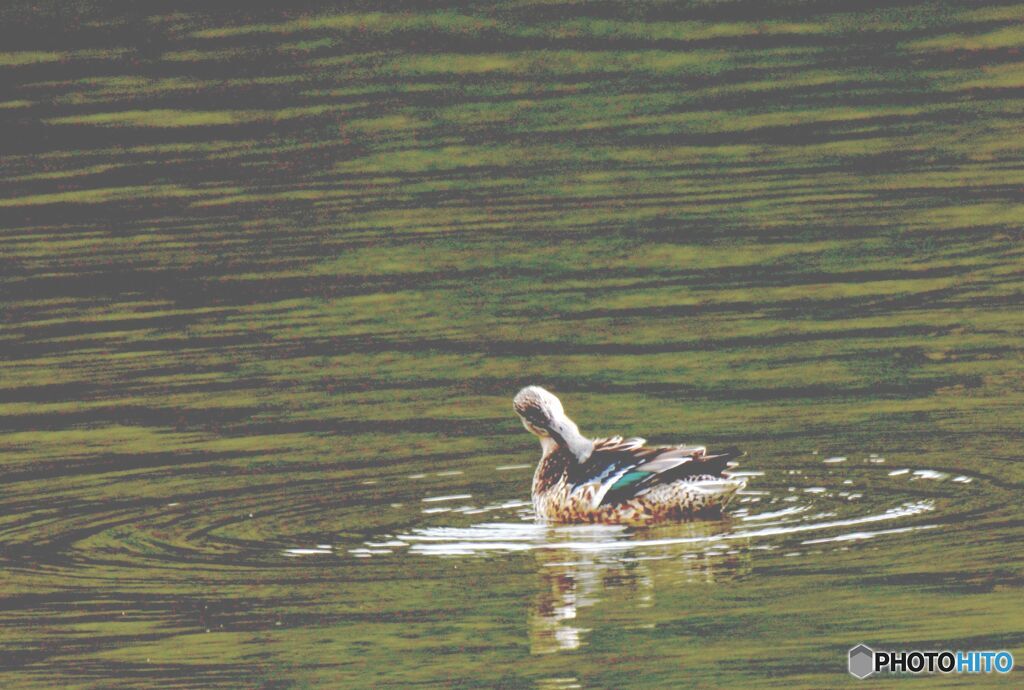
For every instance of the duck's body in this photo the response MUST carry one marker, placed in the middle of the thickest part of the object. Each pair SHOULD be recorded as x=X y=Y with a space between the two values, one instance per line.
x=612 y=480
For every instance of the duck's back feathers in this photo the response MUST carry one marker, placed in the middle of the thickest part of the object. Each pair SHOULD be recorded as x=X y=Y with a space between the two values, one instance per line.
x=624 y=469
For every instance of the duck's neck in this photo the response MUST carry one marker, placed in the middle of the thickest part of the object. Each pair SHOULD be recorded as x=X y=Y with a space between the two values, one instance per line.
x=553 y=466
x=564 y=447
x=566 y=434
x=548 y=446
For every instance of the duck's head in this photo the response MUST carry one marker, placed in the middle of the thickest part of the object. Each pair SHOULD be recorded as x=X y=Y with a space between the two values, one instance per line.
x=542 y=415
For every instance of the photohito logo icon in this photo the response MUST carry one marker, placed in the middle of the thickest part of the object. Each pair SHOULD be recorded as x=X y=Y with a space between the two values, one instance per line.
x=862 y=661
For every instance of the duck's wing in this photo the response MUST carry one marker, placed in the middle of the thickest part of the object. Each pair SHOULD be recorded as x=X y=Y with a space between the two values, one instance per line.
x=627 y=468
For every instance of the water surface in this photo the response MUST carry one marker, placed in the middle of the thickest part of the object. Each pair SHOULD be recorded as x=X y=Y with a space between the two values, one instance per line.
x=269 y=280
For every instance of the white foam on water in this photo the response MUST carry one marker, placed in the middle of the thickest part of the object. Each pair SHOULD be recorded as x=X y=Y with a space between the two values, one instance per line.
x=854 y=536
x=776 y=514
x=930 y=474
x=308 y=552
x=599 y=538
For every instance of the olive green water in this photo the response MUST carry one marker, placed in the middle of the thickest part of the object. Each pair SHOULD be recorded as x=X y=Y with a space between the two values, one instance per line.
x=270 y=280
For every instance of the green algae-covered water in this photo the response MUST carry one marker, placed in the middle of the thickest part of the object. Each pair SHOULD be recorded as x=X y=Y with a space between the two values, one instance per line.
x=269 y=280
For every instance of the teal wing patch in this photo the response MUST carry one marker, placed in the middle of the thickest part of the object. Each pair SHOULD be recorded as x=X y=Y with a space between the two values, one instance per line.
x=640 y=471
x=628 y=479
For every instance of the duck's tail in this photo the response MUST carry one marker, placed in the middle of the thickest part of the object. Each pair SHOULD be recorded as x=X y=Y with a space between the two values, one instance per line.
x=719 y=490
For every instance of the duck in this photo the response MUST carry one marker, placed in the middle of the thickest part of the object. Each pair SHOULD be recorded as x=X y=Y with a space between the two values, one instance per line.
x=615 y=480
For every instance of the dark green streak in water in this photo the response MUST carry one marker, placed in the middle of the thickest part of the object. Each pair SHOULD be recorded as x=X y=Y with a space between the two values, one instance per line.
x=268 y=281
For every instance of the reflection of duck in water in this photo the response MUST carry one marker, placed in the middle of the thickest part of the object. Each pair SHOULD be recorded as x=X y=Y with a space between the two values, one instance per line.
x=591 y=573
x=577 y=581
x=615 y=480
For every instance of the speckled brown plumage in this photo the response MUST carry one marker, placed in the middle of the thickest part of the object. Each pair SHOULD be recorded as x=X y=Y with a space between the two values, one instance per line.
x=618 y=481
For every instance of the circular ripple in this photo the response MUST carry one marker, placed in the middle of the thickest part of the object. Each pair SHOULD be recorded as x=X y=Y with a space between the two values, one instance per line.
x=834 y=503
